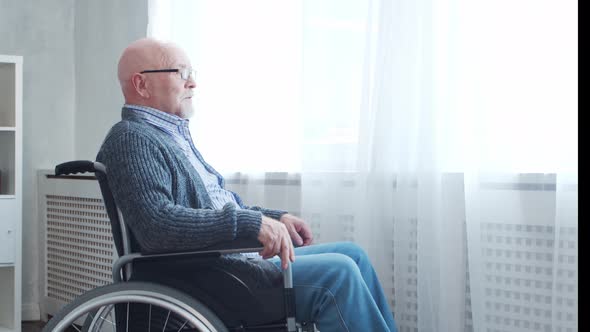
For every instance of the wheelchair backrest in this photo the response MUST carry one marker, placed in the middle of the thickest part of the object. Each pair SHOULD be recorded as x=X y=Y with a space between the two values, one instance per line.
x=121 y=235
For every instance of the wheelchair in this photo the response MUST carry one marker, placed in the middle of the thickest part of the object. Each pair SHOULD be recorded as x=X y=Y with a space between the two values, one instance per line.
x=215 y=289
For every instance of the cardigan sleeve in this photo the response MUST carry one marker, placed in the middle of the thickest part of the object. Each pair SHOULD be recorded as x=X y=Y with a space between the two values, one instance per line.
x=140 y=175
x=272 y=213
x=275 y=214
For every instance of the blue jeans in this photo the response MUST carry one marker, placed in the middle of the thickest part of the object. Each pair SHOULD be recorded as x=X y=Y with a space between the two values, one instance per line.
x=337 y=288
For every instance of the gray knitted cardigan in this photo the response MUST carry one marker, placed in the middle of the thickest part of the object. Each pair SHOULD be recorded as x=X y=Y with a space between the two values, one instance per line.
x=161 y=195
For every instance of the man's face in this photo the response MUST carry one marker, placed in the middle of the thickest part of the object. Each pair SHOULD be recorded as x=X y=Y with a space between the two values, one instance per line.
x=169 y=92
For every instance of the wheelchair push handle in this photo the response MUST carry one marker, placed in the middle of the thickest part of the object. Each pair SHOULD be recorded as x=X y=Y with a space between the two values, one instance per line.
x=79 y=166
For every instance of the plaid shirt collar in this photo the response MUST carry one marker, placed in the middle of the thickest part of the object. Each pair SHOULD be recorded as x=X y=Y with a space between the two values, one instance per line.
x=168 y=122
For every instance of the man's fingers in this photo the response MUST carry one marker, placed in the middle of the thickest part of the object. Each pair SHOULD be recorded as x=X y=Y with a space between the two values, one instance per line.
x=270 y=249
x=273 y=249
x=292 y=249
x=288 y=249
x=285 y=258
x=264 y=252
x=307 y=236
x=278 y=239
x=294 y=235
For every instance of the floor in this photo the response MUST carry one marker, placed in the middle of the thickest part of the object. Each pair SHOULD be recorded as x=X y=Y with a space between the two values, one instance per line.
x=35 y=326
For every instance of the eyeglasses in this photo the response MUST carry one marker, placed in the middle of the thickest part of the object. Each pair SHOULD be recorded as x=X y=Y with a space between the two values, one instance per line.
x=185 y=73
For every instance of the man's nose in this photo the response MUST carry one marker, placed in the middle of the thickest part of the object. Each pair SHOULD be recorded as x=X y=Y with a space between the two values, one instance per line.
x=190 y=83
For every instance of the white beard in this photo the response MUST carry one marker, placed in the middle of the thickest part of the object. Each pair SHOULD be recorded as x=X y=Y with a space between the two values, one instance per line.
x=187 y=113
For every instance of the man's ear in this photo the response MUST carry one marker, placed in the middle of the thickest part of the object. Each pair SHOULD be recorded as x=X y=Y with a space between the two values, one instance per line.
x=140 y=85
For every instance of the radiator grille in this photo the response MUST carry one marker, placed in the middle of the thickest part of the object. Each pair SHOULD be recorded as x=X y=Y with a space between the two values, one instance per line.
x=79 y=246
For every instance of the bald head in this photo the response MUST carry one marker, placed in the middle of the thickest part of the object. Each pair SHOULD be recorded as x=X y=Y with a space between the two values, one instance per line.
x=142 y=54
x=154 y=89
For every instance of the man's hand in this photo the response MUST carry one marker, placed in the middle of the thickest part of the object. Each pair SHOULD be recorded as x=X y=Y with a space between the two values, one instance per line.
x=298 y=229
x=275 y=238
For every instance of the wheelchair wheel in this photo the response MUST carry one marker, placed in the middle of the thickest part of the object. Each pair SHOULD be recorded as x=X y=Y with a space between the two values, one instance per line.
x=135 y=306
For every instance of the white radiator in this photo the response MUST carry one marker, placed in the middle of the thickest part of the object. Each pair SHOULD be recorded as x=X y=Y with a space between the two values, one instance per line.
x=77 y=250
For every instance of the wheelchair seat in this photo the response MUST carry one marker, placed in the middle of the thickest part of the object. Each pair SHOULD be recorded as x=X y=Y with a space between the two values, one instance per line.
x=242 y=291
x=213 y=289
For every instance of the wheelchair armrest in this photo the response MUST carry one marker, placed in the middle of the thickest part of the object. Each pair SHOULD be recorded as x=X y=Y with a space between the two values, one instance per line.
x=79 y=166
x=236 y=246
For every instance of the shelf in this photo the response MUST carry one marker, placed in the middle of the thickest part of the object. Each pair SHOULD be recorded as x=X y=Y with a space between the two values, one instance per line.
x=7 y=94
x=7 y=163
x=10 y=191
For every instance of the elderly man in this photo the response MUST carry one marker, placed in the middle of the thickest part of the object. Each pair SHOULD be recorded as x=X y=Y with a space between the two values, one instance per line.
x=173 y=200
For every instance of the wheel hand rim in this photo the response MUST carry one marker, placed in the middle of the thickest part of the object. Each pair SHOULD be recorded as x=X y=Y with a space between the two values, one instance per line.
x=189 y=314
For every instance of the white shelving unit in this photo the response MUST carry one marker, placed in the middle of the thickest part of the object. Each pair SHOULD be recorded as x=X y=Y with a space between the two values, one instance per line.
x=11 y=77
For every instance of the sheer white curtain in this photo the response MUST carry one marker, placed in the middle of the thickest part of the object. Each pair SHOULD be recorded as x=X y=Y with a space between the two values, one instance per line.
x=441 y=136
